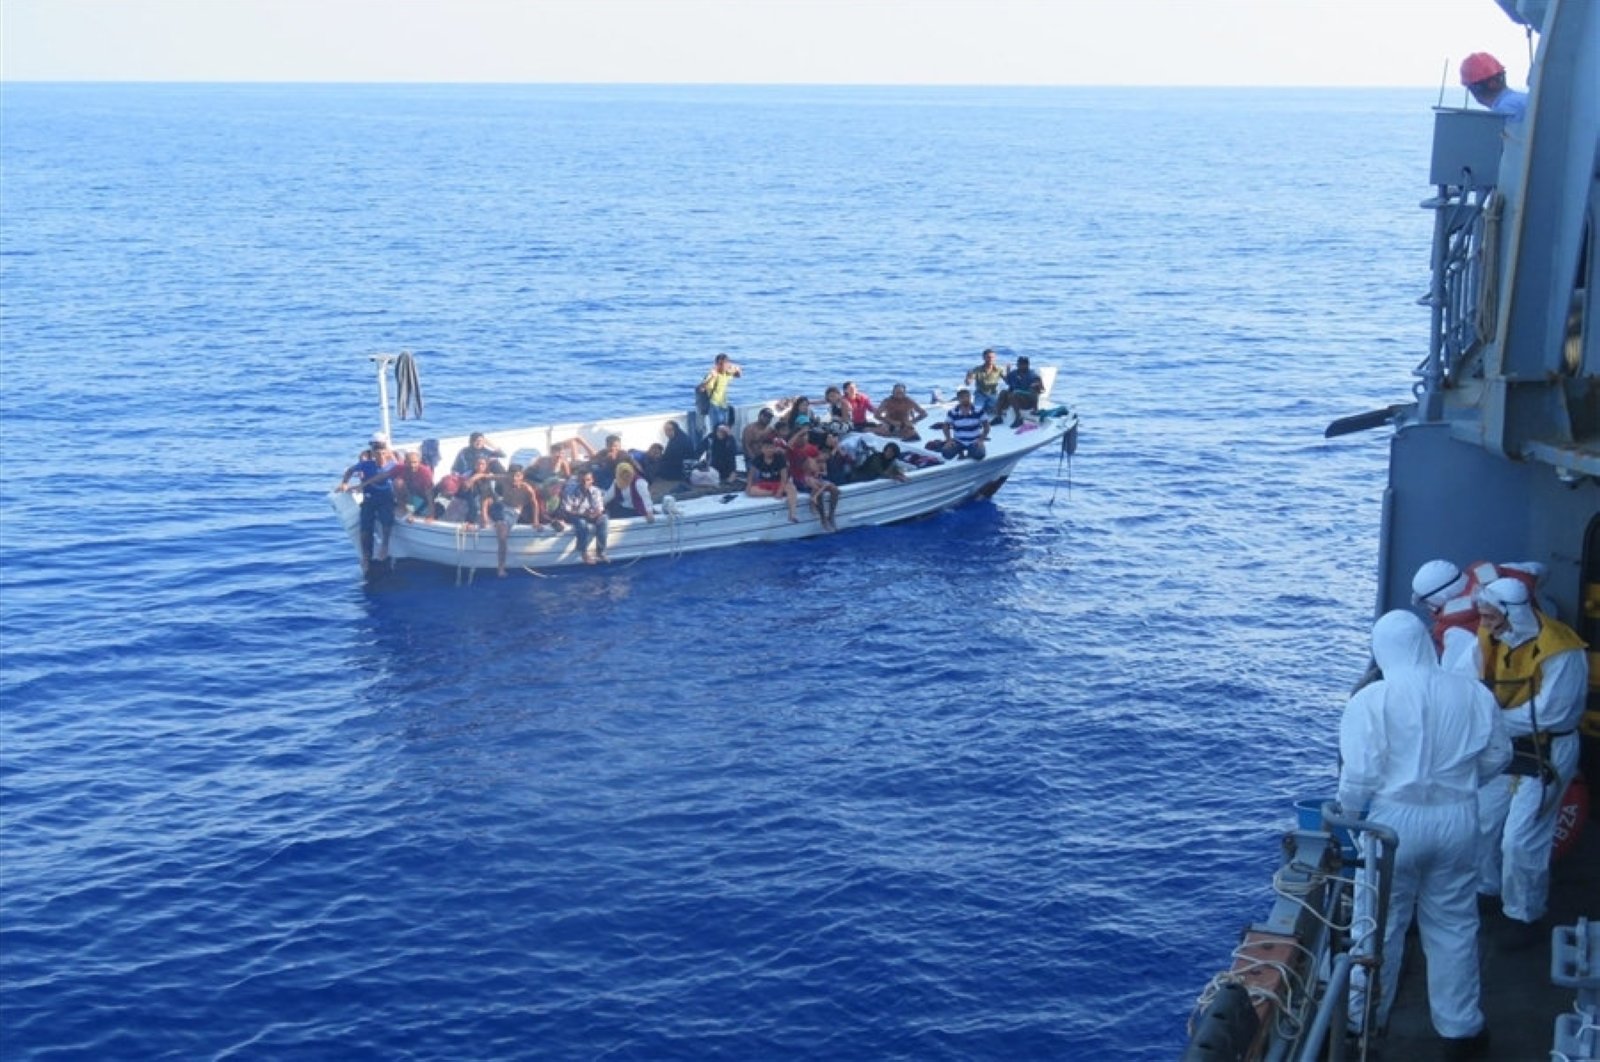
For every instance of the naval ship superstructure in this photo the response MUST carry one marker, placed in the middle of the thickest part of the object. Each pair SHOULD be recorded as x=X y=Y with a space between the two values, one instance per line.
x=1496 y=456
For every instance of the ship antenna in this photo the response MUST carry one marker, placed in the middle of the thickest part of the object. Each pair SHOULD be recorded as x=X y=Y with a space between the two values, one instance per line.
x=1444 y=79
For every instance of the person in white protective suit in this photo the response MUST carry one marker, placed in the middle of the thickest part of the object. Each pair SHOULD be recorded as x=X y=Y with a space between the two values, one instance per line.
x=1538 y=671
x=1444 y=592
x=1414 y=748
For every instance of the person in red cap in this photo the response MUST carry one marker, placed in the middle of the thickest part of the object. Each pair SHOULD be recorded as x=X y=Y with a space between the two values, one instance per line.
x=1485 y=78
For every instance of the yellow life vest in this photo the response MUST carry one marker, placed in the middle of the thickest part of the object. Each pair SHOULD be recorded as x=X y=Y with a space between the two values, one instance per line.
x=1512 y=675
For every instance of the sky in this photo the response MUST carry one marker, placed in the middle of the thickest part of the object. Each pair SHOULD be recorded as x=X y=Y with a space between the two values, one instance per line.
x=936 y=42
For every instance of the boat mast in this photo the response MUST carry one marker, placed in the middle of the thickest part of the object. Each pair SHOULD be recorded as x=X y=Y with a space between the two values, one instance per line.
x=383 y=362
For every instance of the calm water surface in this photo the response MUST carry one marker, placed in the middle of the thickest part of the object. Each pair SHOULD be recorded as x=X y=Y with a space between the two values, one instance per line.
x=1003 y=783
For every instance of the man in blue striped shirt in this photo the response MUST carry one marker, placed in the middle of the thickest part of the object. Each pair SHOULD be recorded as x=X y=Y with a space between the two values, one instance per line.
x=966 y=429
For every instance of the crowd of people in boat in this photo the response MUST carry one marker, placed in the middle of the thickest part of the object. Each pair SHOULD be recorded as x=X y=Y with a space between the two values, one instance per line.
x=795 y=447
x=1465 y=744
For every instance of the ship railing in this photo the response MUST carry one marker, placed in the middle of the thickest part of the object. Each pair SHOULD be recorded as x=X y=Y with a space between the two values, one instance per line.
x=1462 y=295
x=1288 y=993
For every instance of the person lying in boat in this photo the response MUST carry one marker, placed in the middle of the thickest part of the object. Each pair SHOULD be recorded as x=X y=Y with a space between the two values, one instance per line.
x=478 y=445
x=965 y=429
x=880 y=464
x=807 y=475
x=899 y=413
x=1023 y=388
x=629 y=493
x=414 y=489
x=769 y=477
x=584 y=507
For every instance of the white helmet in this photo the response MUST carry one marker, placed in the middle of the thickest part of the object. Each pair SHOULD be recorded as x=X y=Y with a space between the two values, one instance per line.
x=1435 y=583
x=1510 y=597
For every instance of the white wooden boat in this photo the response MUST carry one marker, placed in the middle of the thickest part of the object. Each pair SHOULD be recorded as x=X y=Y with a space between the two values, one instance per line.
x=720 y=518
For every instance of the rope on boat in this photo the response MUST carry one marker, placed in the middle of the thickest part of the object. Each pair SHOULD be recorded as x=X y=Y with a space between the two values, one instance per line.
x=1069 y=446
x=669 y=509
x=407 y=386
x=1284 y=1006
x=466 y=535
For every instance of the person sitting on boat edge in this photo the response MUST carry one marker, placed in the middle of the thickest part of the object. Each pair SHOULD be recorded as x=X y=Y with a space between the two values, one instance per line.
x=965 y=430
x=715 y=389
x=1538 y=670
x=375 y=472
x=414 y=488
x=478 y=445
x=806 y=473
x=584 y=507
x=985 y=380
x=1485 y=77
x=754 y=432
x=769 y=477
x=1023 y=390
x=629 y=493
x=517 y=503
x=1414 y=747
x=899 y=413
x=482 y=490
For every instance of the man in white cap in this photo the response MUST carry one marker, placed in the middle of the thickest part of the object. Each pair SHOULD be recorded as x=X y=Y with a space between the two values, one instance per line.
x=1538 y=671
x=1414 y=748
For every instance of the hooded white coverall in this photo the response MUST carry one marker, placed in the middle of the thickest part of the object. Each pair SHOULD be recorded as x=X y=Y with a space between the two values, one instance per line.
x=1415 y=747
x=1516 y=814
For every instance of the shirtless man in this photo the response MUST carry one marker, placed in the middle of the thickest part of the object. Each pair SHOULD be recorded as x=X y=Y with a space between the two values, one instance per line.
x=899 y=414
x=750 y=438
x=517 y=500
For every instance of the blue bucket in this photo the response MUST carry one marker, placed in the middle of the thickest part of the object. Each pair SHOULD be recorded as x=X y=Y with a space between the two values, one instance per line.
x=1309 y=814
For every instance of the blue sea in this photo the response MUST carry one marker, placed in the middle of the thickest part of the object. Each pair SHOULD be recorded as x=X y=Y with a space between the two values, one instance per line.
x=1003 y=783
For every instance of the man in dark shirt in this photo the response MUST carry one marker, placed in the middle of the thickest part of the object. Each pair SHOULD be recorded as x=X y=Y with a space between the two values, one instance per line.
x=1023 y=388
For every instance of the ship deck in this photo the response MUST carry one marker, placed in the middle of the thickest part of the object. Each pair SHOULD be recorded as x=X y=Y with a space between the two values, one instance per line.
x=1519 y=1000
